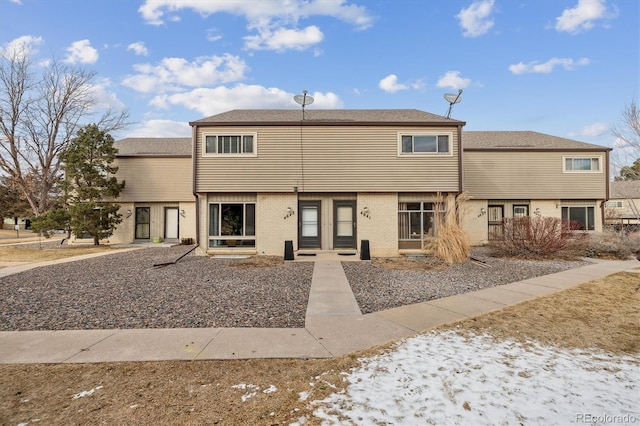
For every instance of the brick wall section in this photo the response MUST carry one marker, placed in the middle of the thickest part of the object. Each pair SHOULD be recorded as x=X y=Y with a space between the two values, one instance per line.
x=272 y=228
x=381 y=227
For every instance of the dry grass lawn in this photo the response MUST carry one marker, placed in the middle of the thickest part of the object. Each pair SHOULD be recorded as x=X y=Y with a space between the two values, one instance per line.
x=36 y=252
x=603 y=314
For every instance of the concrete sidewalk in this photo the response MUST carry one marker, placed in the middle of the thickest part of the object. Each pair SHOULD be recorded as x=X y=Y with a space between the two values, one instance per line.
x=334 y=325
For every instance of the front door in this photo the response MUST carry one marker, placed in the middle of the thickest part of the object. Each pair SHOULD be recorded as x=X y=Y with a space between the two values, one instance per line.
x=309 y=224
x=171 y=223
x=344 y=224
x=496 y=222
x=143 y=223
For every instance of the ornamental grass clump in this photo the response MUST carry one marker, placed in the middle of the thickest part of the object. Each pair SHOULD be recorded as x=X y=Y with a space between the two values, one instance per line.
x=451 y=243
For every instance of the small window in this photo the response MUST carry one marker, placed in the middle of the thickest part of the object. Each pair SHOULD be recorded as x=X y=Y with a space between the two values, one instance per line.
x=520 y=210
x=581 y=164
x=226 y=144
x=425 y=144
x=613 y=204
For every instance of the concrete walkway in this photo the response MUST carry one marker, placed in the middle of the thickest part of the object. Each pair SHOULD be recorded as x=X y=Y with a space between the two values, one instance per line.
x=334 y=325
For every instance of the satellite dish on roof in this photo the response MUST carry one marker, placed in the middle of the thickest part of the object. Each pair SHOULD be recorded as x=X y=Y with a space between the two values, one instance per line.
x=453 y=98
x=303 y=100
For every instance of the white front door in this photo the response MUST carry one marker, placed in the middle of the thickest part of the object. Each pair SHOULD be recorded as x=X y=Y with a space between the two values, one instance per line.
x=171 y=223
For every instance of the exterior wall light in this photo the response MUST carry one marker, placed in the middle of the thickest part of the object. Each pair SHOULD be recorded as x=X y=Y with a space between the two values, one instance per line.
x=290 y=212
x=128 y=214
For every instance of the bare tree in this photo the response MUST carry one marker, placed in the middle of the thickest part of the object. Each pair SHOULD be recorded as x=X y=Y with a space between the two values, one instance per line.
x=39 y=115
x=626 y=153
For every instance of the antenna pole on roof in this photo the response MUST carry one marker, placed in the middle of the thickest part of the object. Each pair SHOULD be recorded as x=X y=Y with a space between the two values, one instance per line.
x=452 y=98
x=303 y=100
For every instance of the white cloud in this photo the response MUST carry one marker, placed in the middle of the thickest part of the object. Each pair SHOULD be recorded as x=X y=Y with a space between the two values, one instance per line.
x=105 y=99
x=18 y=2
x=161 y=128
x=453 y=80
x=82 y=52
x=390 y=84
x=209 y=101
x=213 y=34
x=476 y=20
x=583 y=16
x=21 y=46
x=274 y=21
x=595 y=130
x=176 y=73
x=282 y=39
x=547 y=67
x=139 y=48
x=154 y=11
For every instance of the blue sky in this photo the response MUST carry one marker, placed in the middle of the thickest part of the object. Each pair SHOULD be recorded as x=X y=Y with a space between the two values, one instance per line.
x=563 y=67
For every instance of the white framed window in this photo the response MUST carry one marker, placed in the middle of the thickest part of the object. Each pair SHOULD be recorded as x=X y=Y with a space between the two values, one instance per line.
x=613 y=204
x=582 y=164
x=232 y=225
x=418 y=143
x=230 y=144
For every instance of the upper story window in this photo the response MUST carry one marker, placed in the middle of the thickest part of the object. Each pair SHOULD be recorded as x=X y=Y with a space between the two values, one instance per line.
x=424 y=143
x=230 y=144
x=613 y=204
x=582 y=164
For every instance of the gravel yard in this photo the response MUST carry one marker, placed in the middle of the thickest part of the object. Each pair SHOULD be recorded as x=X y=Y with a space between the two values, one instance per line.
x=125 y=290
x=377 y=288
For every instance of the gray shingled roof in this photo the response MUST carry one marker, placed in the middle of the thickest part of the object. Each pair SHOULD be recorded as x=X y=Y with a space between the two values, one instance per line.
x=522 y=140
x=327 y=116
x=624 y=189
x=157 y=147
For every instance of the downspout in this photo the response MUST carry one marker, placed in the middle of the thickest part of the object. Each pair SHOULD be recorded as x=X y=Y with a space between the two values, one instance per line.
x=194 y=139
x=460 y=161
x=607 y=186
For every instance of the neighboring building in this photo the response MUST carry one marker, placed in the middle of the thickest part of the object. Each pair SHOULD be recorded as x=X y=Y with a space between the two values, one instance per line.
x=252 y=179
x=10 y=223
x=623 y=207
x=157 y=201
x=522 y=173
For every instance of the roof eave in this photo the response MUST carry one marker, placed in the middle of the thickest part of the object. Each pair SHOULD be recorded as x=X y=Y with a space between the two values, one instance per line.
x=508 y=149
x=328 y=123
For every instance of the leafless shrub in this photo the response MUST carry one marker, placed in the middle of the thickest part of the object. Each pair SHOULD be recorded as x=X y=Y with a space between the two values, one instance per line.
x=536 y=237
x=610 y=244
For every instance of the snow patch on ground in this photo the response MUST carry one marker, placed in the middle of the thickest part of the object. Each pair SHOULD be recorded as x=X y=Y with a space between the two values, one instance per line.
x=253 y=390
x=446 y=378
x=86 y=393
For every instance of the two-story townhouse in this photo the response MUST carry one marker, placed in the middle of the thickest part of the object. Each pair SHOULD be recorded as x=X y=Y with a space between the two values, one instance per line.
x=157 y=202
x=323 y=179
x=522 y=173
x=249 y=180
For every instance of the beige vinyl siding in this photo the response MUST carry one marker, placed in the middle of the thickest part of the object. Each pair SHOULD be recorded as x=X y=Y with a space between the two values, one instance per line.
x=231 y=198
x=530 y=175
x=149 y=179
x=326 y=158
